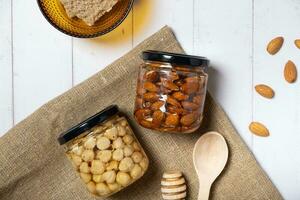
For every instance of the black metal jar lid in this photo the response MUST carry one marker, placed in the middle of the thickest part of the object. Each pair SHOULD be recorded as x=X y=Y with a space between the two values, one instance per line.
x=173 y=58
x=88 y=124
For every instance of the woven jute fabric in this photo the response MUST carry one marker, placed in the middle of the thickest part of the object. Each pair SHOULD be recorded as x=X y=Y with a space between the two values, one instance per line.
x=33 y=165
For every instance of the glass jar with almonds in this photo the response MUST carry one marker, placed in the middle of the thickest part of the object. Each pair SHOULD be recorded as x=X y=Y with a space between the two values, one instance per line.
x=171 y=90
x=105 y=152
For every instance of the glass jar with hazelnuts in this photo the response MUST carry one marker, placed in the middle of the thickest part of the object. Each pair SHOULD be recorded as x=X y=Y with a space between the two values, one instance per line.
x=105 y=152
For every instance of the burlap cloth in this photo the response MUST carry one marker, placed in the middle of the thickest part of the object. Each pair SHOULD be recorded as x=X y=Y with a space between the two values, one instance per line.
x=33 y=165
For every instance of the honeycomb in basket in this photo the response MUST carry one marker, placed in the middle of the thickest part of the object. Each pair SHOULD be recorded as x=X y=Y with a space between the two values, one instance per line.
x=88 y=10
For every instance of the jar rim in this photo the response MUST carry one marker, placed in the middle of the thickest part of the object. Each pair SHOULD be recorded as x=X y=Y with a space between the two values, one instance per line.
x=175 y=58
x=87 y=124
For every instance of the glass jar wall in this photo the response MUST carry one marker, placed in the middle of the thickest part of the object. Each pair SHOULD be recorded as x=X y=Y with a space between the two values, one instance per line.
x=105 y=152
x=171 y=90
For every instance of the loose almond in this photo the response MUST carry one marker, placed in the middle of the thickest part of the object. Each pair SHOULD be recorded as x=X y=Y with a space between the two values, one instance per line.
x=259 y=129
x=290 y=72
x=265 y=91
x=297 y=43
x=275 y=45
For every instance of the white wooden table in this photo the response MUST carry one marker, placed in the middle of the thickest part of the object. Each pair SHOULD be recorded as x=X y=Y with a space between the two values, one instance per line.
x=38 y=62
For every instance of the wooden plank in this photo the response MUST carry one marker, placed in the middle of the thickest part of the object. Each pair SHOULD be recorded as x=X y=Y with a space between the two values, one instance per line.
x=6 y=111
x=278 y=153
x=42 y=59
x=223 y=33
x=151 y=15
x=92 y=55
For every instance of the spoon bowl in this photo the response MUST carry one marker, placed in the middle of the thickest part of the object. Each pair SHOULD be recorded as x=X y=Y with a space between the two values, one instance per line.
x=210 y=156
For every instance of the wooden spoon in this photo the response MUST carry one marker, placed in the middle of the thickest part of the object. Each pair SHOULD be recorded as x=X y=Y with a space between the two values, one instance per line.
x=210 y=156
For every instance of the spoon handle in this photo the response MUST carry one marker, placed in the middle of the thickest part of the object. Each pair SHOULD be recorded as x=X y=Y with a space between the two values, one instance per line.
x=204 y=190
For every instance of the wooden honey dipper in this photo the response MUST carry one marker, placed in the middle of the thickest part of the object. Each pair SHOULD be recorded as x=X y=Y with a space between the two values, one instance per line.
x=173 y=186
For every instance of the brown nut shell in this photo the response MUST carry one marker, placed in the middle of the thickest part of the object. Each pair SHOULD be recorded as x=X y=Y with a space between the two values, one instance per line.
x=146 y=124
x=190 y=87
x=172 y=120
x=198 y=99
x=176 y=110
x=151 y=96
x=180 y=96
x=141 y=114
x=192 y=79
x=189 y=105
x=189 y=119
x=164 y=90
x=151 y=87
x=158 y=117
x=157 y=105
x=173 y=102
x=151 y=76
x=169 y=85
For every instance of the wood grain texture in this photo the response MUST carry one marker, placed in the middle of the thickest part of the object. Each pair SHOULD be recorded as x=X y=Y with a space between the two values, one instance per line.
x=6 y=100
x=210 y=156
x=90 y=56
x=42 y=59
x=149 y=16
x=224 y=35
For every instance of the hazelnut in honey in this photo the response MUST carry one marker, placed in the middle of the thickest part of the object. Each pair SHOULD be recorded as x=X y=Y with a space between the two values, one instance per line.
x=105 y=152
